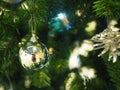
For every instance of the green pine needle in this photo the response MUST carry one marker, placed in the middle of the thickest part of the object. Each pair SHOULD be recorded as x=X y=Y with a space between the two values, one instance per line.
x=107 y=8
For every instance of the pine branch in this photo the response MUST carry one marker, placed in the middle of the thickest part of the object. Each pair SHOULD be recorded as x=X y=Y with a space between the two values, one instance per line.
x=40 y=78
x=109 y=8
x=113 y=71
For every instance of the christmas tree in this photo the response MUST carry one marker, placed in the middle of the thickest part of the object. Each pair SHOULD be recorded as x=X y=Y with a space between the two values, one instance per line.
x=51 y=45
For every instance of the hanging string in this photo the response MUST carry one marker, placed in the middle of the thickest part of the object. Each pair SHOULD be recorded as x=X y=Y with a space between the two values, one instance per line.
x=32 y=24
x=108 y=24
x=32 y=21
x=108 y=21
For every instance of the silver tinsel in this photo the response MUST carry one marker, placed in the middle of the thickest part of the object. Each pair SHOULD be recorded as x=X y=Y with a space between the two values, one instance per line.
x=109 y=40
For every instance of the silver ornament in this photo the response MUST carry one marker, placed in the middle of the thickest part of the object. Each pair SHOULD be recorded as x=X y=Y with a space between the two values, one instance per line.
x=12 y=1
x=33 y=55
x=109 y=40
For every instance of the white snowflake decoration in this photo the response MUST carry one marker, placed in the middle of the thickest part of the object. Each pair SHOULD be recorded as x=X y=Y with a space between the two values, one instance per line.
x=109 y=40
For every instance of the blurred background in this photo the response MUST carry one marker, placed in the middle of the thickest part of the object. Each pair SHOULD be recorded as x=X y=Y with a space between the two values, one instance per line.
x=66 y=28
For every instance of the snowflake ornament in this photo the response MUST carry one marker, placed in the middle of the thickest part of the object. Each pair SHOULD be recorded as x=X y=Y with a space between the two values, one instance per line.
x=109 y=40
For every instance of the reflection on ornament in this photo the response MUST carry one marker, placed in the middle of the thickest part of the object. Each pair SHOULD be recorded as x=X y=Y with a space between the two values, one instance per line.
x=33 y=55
x=12 y=1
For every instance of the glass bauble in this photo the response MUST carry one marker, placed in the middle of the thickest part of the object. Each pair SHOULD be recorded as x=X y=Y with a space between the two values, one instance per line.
x=12 y=1
x=33 y=55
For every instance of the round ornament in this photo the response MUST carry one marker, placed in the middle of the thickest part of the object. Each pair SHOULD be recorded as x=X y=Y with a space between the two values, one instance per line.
x=33 y=55
x=12 y=1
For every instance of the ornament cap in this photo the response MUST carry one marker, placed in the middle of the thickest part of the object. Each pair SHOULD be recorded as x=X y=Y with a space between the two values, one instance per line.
x=34 y=38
